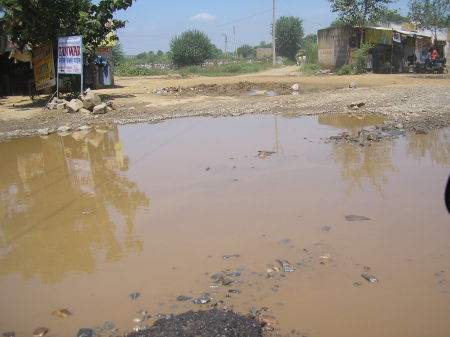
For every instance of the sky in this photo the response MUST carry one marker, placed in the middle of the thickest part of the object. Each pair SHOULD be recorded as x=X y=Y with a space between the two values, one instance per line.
x=152 y=24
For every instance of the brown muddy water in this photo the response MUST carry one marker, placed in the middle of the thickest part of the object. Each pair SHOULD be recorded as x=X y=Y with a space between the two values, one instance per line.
x=88 y=218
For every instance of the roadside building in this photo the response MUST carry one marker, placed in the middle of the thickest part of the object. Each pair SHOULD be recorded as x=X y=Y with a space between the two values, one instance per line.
x=25 y=72
x=396 y=49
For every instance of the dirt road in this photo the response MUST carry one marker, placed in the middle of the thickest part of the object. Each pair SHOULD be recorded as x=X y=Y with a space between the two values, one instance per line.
x=404 y=98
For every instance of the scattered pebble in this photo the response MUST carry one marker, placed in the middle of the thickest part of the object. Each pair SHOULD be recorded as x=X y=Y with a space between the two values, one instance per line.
x=42 y=331
x=135 y=296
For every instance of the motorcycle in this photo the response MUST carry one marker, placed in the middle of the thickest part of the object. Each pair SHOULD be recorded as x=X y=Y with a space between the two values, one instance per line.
x=437 y=66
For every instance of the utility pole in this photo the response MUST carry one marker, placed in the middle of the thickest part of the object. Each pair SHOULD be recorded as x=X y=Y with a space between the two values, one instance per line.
x=234 y=35
x=226 y=42
x=274 y=55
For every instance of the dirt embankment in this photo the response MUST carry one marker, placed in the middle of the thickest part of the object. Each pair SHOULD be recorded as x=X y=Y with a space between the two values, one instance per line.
x=407 y=102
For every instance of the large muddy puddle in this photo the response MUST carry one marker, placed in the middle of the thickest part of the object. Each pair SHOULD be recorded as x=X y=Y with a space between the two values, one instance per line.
x=89 y=218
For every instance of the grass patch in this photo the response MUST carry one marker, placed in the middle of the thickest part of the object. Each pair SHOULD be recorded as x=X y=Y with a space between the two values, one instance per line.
x=229 y=69
x=130 y=69
x=309 y=68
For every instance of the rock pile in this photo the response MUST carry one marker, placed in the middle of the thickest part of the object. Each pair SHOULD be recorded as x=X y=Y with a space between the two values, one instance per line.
x=89 y=103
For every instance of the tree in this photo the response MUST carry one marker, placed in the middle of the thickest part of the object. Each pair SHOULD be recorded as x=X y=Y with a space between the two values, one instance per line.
x=159 y=53
x=117 y=52
x=191 y=48
x=288 y=36
x=142 y=56
x=359 y=12
x=34 y=22
x=431 y=15
x=310 y=47
x=393 y=16
x=264 y=44
x=246 y=51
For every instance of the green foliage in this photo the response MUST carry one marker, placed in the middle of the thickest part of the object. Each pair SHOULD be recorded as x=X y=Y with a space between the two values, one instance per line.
x=430 y=14
x=346 y=69
x=216 y=53
x=129 y=69
x=246 y=51
x=311 y=49
x=33 y=22
x=361 y=58
x=191 y=48
x=359 y=12
x=144 y=55
x=288 y=36
x=229 y=69
x=118 y=56
x=338 y=23
x=264 y=44
x=393 y=16
x=309 y=68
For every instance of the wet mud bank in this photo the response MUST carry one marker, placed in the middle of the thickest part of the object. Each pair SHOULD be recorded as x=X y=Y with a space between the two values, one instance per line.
x=404 y=110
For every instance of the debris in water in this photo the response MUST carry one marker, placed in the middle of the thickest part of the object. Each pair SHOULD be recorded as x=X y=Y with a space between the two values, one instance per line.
x=357 y=284
x=207 y=169
x=143 y=312
x=225 y=257
x=183 y=298
x=324 y=259
x=135 y=296
x=63 y=313
x=39 y=332
x=284 y=241
x=356 y=218
x=9 y=334
x=217 y=278
x=287 y=267
x=227 y=282
x=86 y=333
x=137 y=320
x=268 y=321
x=233 y=274
x=202 y=300
x=234 y=291
x=87 y=212
x=325 y=228
x=265 y=154
x=370 y=278
x=108 y=326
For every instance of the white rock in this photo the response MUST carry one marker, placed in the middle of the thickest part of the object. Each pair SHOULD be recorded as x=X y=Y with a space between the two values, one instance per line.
x=90 y=100
x=75 y=105
x=295 y=87
x=100 y=109
x=64 y=128
x=44 y=132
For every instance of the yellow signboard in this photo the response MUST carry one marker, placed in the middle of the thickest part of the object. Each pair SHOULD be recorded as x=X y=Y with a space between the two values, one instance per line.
x=378 y=36
x=44 y=67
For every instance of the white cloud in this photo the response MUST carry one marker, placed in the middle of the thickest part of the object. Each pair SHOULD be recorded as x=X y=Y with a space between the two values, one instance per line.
x=203 y=17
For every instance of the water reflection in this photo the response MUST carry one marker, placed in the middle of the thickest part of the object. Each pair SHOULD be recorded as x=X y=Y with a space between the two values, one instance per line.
x=62 y=201
x=364 y=163
x=351 y=122
x=435 y=145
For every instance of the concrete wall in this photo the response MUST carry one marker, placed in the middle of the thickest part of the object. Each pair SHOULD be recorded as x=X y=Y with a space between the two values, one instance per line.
x=263 y=53
x=334 y=46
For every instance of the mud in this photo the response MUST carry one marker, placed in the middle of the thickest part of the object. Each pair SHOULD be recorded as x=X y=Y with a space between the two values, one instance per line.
x=405 y=102
x=232 y=89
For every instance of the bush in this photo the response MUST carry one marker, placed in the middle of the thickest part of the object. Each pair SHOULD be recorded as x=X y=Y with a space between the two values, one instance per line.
x=246 y=51
x=346 y=69
x=309 y=68
x=191 y=48
x=361 y=58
